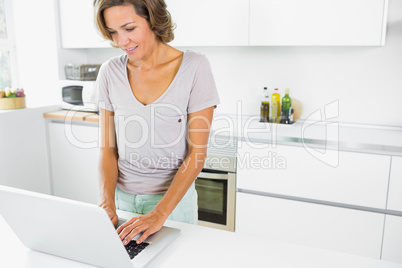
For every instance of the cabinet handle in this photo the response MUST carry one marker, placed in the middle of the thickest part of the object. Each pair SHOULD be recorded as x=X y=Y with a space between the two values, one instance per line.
x=213 y=176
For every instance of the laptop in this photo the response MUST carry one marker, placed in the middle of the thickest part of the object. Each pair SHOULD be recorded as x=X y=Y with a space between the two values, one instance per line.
x=75 y=230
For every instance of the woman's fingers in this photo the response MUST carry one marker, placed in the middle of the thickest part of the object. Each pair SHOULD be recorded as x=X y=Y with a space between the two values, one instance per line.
x=145 y=236
x=115 y=220
x=146 y=224
x=122 y=228
x=144 y=227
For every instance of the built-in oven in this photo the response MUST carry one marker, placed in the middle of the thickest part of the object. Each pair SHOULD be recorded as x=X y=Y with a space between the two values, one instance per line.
x=216 y=188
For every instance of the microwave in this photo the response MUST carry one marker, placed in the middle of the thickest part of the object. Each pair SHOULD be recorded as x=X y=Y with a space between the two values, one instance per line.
x=76 y=95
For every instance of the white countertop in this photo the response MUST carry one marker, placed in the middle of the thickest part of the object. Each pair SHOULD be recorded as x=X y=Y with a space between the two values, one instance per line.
x=331 y=135
x=199 y=246
x=320 y=134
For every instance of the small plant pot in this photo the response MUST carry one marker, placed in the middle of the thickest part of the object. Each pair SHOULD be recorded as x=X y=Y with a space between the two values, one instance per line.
x=12 y=103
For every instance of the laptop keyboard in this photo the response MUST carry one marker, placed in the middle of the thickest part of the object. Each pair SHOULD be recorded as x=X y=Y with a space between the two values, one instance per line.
x=133 y=248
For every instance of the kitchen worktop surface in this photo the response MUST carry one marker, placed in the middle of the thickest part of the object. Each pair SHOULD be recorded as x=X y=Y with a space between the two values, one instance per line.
x=199 y=246
x=322 y=135
x=318 y=134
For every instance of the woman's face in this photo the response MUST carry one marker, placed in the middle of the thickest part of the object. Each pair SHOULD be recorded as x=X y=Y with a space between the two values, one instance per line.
x=129 y=31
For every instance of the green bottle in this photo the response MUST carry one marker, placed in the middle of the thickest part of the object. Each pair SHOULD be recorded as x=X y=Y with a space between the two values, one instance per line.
x=286 y=106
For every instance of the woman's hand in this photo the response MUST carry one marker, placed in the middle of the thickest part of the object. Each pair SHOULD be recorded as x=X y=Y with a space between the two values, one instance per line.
x=148 y=224
x=111 y=213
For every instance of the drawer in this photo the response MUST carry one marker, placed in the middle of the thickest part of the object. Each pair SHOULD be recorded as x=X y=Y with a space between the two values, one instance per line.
x=345 y=230
x=395 y=185
x=358 y=179
x=392 y=244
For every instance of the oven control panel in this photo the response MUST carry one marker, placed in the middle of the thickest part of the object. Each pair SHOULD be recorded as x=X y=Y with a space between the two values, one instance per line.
x=220 y=162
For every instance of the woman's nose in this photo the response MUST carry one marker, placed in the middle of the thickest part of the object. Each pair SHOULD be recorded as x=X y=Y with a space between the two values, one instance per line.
x=122 y=40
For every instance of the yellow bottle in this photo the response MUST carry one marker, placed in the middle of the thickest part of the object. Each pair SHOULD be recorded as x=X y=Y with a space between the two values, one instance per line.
x=275 y=107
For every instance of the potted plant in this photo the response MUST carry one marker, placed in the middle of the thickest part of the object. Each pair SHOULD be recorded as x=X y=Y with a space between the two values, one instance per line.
x=12 y=99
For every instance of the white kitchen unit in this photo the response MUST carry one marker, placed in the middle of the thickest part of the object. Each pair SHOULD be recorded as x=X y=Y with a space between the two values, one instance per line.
x=318 y=22
x=210 y=22
x=395 y=185
x=77 y=25
x=248 y=22
x=359 y=179
x=392 y=244
x=329 y=227
x=74 y=156
x=286 y=193
x=199 y=23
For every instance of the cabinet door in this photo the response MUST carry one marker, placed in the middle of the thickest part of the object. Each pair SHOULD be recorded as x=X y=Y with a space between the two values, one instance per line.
x=359 y=179
x=392 y=244
x=395 y=185
x=317 y=22
x=210 y=22
x=347 y=230
x=77 y=25
x=74 y=159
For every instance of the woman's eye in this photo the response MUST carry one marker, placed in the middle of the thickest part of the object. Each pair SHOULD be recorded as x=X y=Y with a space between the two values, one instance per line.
x=112 y=33
x=130 y=29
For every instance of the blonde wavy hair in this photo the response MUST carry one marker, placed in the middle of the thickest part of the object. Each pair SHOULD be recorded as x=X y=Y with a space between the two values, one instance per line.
x=153 y=11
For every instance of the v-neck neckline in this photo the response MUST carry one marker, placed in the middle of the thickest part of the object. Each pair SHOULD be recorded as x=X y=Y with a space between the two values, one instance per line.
x=164 y=93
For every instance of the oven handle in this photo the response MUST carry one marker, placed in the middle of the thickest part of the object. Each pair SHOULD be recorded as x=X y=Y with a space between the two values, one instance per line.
x=213 y=176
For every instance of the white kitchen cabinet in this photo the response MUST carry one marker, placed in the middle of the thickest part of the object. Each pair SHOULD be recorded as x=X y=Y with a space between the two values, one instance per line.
x=248 y=22
x=77 y=25
x=395 y=185
x=346 y=230
x=210 y=22
x=318 y=22
x=74 y=156
x=359 y=179
x=392 y=244
x=199 y=23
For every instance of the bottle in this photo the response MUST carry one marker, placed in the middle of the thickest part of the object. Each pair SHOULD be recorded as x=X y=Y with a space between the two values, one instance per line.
x=264 y=109
x=275 y=107
x=286 y=107
x=291 y=115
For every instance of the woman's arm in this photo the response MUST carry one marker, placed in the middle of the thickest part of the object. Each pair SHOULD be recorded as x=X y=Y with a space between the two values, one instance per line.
x=108 y=169
x=199 y=124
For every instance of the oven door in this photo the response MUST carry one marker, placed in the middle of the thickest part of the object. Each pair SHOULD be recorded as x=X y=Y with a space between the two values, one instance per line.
x=216 y=199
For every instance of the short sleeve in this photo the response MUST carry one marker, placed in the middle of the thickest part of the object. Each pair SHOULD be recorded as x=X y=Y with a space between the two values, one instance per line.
x=100 y=96
x=204 y=93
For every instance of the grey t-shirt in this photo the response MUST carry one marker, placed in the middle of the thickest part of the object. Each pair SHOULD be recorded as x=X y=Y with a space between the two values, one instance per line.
x=152 y=139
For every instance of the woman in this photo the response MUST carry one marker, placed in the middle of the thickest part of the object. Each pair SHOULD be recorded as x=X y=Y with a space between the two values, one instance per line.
x=156 y=107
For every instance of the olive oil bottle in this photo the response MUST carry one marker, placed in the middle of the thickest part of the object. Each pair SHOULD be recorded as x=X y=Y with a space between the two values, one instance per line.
x=264 y=108
x=275 y=107
x=286 y=108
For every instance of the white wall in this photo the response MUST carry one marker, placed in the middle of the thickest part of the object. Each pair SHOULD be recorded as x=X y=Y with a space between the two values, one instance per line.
x=367 y=81
x=36 y=48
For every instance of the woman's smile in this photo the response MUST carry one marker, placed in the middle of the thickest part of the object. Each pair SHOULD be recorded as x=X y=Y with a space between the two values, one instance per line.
x=130 y=50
